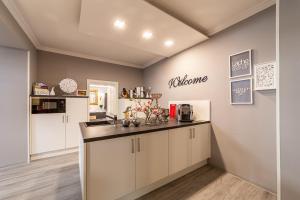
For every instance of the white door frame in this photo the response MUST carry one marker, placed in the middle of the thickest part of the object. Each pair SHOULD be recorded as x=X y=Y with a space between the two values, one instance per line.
x=108 y=83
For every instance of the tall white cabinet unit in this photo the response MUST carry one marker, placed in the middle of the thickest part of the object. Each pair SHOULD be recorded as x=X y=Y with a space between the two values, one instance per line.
x=76 y=111
x=58 y=131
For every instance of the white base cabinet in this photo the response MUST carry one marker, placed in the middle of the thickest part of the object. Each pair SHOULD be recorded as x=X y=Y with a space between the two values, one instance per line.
x=180 y=149
x=47 y=132
x=201 y=143
x=188 y=146
x=110 y=169
x=116 y=168
x=152 y=155
x=58 y=131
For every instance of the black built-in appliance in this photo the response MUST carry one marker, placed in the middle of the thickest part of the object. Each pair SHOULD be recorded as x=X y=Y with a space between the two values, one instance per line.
x=40 y=105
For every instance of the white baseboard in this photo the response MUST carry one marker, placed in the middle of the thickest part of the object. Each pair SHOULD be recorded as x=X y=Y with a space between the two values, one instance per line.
x=52 y=154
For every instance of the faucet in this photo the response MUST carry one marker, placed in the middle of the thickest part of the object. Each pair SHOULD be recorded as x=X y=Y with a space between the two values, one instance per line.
x=114 y=118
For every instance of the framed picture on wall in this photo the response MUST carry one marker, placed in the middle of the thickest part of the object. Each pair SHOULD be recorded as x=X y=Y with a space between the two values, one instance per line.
x=241 y=91
x=93 y=97
x=265 y=76
x=240 y=64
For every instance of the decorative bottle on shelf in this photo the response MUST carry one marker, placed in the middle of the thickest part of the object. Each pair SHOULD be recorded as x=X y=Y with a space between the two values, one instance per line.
x=52 y=93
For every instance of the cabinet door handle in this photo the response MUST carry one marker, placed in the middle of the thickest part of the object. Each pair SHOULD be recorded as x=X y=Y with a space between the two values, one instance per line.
x=191 y=134
x=132 y=146
x=63 y=119
x=67 y=117
x=194 y=135
x=139 y=145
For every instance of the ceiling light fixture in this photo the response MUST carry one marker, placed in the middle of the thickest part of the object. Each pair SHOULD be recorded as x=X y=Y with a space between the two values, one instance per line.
x=169 y=43
x=147 y=35
x=120 y=24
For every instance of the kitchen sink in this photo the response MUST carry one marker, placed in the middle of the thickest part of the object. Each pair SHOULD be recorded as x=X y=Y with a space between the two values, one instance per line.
x=98 y=123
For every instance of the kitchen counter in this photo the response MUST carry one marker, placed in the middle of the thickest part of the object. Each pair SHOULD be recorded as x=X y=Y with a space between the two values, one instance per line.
x=95 y=133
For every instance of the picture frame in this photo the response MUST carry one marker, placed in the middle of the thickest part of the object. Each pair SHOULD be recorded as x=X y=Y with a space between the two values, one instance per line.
x=93 y=96
x=82 y=93
x=265 y=76
x=241 y=92
x=240 y=64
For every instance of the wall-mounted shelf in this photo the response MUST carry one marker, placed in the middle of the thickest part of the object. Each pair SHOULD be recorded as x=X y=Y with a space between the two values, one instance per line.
x=56 y=96
x=135 y=98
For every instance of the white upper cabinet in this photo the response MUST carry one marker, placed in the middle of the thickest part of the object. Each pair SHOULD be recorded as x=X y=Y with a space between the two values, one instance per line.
x=110 y=168
x=47 y=132
x=151 y=158
x=76 y=111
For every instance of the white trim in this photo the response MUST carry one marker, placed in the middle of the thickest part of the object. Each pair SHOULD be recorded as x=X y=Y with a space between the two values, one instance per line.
x=254 y=75
x=28 y=103
x=81 y=55
x=153 y=61
x=250 y=57
x=278 y=104
x=53 y=153
x=251 y=88
x=243 y=15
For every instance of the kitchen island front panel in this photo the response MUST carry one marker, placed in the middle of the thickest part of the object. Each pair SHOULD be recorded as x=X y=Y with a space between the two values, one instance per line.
x=126 y=163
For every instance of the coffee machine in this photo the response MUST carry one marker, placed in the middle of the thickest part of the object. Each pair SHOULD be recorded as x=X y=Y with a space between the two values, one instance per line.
x=184 y=112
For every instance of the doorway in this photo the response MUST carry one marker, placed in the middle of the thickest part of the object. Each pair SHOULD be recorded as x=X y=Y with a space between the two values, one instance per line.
x=103 y=99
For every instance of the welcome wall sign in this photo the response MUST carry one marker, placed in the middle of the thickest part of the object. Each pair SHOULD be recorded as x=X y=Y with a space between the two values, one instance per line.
x=185 y=80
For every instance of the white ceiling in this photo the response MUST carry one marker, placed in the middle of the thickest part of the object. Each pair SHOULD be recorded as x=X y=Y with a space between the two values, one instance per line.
x=211 y=16
x=84 y=28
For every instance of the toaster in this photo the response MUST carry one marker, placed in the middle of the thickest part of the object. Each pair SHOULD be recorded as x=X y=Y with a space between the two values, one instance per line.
x=185 y=112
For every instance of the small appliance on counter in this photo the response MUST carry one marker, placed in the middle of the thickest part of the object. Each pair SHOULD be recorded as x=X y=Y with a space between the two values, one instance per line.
x=184 y=112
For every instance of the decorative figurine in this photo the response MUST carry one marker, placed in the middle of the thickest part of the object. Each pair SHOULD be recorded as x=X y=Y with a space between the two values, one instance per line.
x=52 y=93
x=124 y=93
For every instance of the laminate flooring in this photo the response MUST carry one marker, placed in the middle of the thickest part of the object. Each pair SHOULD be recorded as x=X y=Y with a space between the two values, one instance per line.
x=57 y=178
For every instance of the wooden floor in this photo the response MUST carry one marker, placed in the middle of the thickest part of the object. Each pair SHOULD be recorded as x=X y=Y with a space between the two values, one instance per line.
x=58 y=179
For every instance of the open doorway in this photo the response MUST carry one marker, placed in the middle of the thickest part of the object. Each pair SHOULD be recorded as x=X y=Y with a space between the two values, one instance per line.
x=103 y=99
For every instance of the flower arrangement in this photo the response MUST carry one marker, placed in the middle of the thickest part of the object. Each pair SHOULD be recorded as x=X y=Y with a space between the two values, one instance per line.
x=151 y=109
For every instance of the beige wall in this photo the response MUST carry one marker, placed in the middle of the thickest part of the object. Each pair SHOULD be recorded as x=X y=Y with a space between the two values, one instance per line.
x=289 y=98
x=55 y=67
x=244 y=139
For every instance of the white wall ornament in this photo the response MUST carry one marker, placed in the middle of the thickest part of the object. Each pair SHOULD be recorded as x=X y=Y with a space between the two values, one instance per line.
x=68 y=85
x=265 y=76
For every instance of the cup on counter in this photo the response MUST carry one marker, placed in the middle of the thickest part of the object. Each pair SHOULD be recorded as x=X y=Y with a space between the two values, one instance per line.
x=125 y=123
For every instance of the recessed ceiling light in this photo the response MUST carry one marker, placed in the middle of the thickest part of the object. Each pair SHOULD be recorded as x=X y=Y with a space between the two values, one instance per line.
x=169 y=43
x=147 y=35
x=120 y=24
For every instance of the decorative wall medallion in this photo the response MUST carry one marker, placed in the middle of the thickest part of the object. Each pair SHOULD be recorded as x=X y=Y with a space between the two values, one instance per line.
x=183 y=81
x=241 y=91
x=68 y=85
x=265 y=76
x=240 y=64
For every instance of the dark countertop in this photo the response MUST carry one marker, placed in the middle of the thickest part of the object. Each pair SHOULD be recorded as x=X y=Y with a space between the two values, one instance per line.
x=95 y=133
